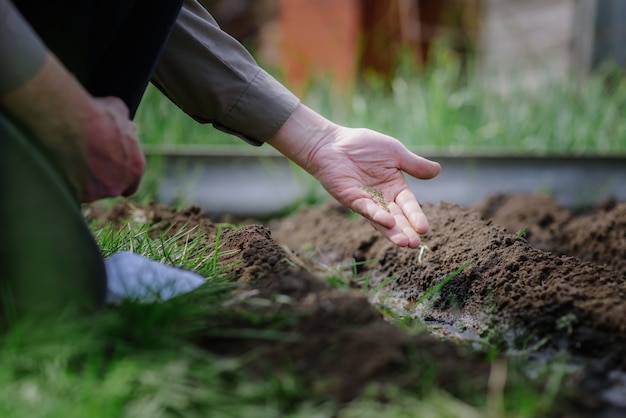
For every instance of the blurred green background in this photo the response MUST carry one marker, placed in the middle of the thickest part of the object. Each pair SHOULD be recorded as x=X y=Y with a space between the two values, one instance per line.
x=480 y=77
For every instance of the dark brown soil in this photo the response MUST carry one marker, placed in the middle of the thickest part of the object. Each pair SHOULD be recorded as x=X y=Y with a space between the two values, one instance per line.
x=558 y=288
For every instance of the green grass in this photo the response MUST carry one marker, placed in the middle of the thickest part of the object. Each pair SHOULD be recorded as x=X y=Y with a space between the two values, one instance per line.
x=444 y=109
x=138 y=360
x=437 y=287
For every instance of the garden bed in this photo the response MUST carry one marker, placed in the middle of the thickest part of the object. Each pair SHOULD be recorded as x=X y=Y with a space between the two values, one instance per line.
x=540 y=284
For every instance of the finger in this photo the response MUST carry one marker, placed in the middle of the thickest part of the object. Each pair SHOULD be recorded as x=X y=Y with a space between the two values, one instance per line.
x=403 y=225
x=118 y=106
x=399 y=236
x=135 y=172
x=129 y=127
x=416 y=166
x=399 y=231
x=396 y=237
x=412 y=211
x=373 y=212
x=131 y=189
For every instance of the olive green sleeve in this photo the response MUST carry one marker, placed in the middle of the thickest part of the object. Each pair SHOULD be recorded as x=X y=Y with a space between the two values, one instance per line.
x=212 y=77
x=22 y=53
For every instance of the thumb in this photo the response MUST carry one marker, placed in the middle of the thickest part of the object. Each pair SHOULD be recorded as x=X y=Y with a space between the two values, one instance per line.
x=418 y=167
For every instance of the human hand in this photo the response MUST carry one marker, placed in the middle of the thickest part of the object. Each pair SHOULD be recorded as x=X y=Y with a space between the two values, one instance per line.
x=362 y=169
x=113 y=158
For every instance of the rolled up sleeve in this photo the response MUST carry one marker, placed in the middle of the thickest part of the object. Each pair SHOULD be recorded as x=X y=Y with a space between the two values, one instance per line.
x=22 y=53
x=212 y=77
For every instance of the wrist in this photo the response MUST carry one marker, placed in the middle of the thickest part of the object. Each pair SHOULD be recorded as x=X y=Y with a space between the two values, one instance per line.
x=304 y=132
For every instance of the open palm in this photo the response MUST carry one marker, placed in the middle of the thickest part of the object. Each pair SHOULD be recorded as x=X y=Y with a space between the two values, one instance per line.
x=363 y=170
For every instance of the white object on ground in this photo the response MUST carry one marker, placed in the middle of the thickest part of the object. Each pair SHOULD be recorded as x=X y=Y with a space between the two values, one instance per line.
x=131 y=276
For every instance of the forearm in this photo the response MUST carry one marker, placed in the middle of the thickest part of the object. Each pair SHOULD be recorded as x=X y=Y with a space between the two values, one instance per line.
x=52 y=106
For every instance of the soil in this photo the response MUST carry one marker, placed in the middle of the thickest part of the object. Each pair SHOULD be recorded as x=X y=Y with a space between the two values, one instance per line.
x=534 y=279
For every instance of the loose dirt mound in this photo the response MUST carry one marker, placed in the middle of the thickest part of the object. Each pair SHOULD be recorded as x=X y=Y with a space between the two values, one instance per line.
x=560 y=286
x=342 y=343
x=597 y=235
x=572 y=287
